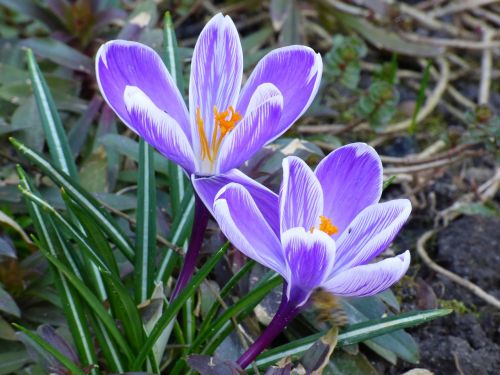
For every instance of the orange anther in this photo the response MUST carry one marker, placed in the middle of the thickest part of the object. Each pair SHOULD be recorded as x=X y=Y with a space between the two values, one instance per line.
x=326 y=225
x=224 y=122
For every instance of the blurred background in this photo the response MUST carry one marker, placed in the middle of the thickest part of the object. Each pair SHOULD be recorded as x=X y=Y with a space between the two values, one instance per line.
x=418 y=80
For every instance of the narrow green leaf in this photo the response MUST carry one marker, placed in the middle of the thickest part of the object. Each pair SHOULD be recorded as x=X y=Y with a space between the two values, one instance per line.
x=60 y=53
x=353 y=334
x=125 y=310
x=420 y=96
x=122 y=305
x=50 y=239
x=222 y=326
x=169 y=261
x=114 y=361
x=92 y=301
x=146 y=224
x=30 y=8
x=177 y=177
x=179 y=233
x=181 y=227
x=82 y=197
x=224 y=293
x=388 y=182
x=65 y=361
x=171 y=52
x=94 y=235
x=52 y=126
x=176 y=305
x=12 y=361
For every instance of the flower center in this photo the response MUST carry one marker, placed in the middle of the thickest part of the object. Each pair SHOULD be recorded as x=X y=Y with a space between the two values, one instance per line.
x=325 y=225
x=224 y=122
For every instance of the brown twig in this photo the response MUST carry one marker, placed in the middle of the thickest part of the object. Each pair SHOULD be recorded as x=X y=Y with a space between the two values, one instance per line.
x=422 y=252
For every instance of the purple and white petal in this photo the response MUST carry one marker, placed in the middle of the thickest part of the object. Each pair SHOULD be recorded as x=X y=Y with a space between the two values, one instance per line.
x=371 y=232
x=216 y=72
x=158 y=128
x=207 y=188
x=244 y=225
x=296 y=72
x=122 y=63
x=301 y=198
x=351 y=179
x=369 y=279
x=256 y=129
x=309 y=259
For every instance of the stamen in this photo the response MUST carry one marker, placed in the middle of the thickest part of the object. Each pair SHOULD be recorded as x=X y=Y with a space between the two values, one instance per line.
x=326 y=225
x=203 y=137
x=224 y=122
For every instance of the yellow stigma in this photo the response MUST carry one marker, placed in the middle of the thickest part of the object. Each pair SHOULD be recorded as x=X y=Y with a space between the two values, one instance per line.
x=224 y=122
x=326 y=226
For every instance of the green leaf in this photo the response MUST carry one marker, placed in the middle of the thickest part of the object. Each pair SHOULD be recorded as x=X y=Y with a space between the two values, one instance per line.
x=207 y=320
x=52 y=126
x=82 y=197
x=146 y=225
x=390 y=346
x=130 y=148
x=420 y=97
x=177 y=177
x=65 y=361
x=125 y=310
x=217 y=331
x=31 y=9
x=12 y=361
x=114 y=361
x=49 y=239
x=94 y=304
x=8 y=305
x=171 y=52
x=94 y=235
x=353 y=334
x=93 y=171
x=60 y=53
x=178 y=235
x=172 y=310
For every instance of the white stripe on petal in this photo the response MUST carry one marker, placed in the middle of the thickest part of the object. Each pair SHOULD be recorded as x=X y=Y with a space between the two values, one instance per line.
x=158 y=128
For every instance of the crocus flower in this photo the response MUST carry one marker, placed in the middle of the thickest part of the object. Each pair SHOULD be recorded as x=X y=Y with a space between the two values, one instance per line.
x=223 y=127
x=322 y=230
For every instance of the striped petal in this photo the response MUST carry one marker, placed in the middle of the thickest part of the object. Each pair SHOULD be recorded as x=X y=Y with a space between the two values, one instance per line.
x=369 y=279
x=207 y=188
x=258 y=127
x=309 y=259
x=244 y=225
x=216 y=72
x=158 y=128
x=371 y=232
x=351 y=179
x=121 y=63
x=301 y=198
x=296 y=72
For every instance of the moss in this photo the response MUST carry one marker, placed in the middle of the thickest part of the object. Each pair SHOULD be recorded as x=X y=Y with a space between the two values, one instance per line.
x=457 y=306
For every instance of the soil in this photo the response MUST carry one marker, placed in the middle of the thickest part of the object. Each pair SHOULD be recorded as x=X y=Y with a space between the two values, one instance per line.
x=467 y=341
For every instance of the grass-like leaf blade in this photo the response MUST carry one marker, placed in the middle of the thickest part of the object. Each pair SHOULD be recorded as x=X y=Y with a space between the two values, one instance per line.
x=146 y=224
x=53 y=129
x=82 y=197
x=65 y=361
x=49 y=240
x=172 y=310
x=353 y=334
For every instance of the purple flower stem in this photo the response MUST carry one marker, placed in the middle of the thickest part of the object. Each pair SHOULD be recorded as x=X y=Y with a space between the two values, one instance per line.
x=285 y=314
x=200 y=222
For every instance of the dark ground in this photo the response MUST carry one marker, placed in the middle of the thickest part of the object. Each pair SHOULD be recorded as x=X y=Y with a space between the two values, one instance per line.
x=468 y=341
